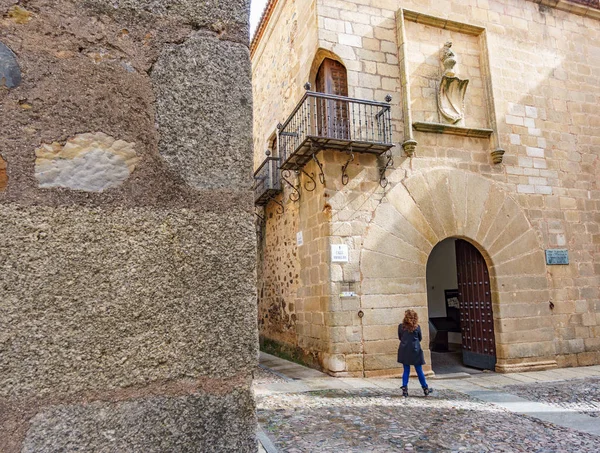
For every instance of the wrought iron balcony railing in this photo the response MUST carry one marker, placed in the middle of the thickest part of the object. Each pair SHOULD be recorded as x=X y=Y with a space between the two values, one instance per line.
x=328 y=121
x=267 y=181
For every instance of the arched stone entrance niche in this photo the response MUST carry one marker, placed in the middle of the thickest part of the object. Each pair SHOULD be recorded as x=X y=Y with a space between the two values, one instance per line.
x=421 y=211
x=459 y=304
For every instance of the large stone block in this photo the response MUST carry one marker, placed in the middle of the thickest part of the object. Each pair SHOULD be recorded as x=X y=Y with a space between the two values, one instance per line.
x=381 y=361
x=191 y=423
x=426 y=203
x=216 y=14
x=379 y=240
x=204 y=111
x=98 y=299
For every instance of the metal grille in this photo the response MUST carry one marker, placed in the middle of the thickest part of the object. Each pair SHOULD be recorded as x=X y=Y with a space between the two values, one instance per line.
x=333 y=122
x=267 y=181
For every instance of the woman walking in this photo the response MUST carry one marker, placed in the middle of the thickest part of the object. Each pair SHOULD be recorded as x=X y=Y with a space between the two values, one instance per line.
x=410 y=352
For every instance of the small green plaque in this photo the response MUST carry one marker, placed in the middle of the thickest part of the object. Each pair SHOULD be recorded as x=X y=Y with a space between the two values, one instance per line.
x=557 y=256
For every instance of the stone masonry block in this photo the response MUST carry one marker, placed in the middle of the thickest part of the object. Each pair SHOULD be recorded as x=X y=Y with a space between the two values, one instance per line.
x=204 y=107
x=98 y=299
x=216 y=14
x=183 y=424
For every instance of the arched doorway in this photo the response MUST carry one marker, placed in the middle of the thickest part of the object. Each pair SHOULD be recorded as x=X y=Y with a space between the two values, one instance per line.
x=423 y=209
x=459 y=300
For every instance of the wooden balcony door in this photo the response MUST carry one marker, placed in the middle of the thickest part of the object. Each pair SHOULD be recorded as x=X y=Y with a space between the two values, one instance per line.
x=475 y=299
x=332 y=115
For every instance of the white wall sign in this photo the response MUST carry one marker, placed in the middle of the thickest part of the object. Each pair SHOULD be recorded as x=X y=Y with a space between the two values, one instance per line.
x=339 y=253
x=299 y=239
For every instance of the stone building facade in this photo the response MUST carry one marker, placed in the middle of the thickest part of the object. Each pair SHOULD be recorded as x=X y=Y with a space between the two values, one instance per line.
x=504 y=181
x=128 y=251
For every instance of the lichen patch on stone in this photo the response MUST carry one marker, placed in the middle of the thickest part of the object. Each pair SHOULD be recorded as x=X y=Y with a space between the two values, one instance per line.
x=19 y=15
x=88 y=162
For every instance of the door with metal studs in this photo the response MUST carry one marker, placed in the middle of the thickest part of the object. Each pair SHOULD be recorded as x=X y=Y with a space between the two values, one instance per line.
x=476 y=315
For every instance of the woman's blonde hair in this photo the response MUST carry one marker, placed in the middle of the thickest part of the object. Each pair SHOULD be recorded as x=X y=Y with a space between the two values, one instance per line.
x=411 y=320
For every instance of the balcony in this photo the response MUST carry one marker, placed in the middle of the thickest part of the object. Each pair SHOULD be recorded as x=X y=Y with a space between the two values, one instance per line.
x=267 y=181
x=326 y=121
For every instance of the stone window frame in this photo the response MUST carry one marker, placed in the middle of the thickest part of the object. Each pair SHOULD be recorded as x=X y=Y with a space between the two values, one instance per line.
x=409 y=144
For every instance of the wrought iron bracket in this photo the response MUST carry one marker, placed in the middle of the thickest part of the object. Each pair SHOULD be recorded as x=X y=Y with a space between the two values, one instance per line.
x=320 y=165
x=295 y=195
x=260 y=225
x=345 y=177
x=383 y=181
x=310 y=183
x=281 y=208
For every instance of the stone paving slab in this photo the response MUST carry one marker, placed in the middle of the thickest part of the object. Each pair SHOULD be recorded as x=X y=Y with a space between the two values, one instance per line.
x=567 y=418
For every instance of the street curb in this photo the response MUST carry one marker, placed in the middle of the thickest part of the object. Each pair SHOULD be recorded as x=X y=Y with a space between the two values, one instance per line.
x=265 y=441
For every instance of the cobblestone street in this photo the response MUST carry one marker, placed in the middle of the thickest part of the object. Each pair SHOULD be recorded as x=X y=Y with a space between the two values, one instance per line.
x=370 y=415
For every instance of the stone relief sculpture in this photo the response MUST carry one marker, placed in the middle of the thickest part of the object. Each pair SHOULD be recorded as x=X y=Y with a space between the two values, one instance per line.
x=451 y=95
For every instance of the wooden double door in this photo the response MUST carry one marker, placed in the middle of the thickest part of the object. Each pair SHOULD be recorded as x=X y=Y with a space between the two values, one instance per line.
x=476 y=315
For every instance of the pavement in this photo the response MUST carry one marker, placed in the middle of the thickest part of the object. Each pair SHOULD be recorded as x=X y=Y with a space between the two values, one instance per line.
x=303 y=410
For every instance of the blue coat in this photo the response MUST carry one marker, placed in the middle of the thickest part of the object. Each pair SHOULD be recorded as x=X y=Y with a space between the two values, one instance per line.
x=409 y=351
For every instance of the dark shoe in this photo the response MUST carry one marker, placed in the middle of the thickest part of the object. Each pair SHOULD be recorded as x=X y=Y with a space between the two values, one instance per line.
x=404 y=391
x=427 y=390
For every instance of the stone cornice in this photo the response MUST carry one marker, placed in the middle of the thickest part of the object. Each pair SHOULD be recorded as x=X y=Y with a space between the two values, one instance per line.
x=585 y=8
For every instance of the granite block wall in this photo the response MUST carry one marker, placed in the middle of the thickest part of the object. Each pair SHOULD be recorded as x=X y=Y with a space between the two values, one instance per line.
x=127 y=263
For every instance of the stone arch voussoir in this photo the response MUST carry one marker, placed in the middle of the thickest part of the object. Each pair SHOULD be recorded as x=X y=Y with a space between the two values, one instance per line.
x=430 y=206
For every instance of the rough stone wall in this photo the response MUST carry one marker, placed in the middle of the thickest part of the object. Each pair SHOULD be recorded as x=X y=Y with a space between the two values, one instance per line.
x=281 y=66
x=544 y=70
x=294 y=280
x=314 y=292
x=127 y=316
x=278 y=273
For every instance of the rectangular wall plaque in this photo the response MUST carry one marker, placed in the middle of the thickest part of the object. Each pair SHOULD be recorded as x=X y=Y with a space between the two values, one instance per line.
x=339 y=253
x=557 y=256
x=299 y=239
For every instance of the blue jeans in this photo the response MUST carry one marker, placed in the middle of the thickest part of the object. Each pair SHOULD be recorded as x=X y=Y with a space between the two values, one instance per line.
x=420 y=374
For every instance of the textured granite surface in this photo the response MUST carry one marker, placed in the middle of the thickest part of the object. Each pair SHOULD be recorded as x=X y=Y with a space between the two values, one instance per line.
x=195 y=423
x=218 y=15
x=200 y=123
x=128 y=317
x=102 y=299
x=104 y=58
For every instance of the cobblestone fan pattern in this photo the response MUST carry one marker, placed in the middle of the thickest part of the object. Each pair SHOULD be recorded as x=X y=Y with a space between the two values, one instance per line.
x=383 y=421
x=581 y=395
